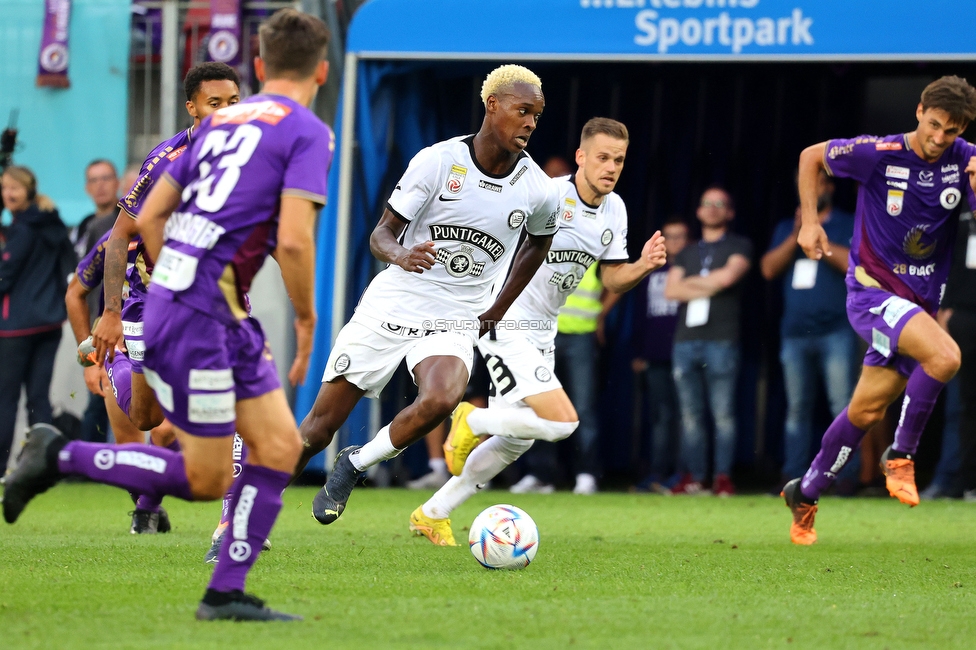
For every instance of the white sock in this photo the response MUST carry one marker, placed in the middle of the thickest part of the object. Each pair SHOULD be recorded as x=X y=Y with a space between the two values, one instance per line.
x=519 y=422
x=484 y=464
x=437 y=465
x=375 y=451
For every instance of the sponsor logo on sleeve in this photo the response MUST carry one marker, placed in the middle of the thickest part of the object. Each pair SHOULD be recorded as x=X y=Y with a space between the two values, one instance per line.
x=455 y=180
x=901 y=173
x=569 y=209
x=840 y=150
x=895 y=202
x=173 y=155
x=888 y=146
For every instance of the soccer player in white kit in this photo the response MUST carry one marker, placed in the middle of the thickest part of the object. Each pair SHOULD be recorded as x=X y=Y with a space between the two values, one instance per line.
x=527 y=402
x=450 y=231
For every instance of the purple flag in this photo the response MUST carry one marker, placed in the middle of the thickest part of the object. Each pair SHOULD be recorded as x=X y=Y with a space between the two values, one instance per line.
x=52 y=63
x=225 y=31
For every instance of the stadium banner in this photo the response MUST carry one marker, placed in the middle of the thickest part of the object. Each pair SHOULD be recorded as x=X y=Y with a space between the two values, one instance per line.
x=666 y=30
x=52 y=61
x=224 y=44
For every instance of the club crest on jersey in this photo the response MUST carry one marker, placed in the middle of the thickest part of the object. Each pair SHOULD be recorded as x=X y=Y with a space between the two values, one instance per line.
x=455 y=180
x=460 y=263
x=515 y=219
x=606 y=237
x=949 y=198
x=895 y=202
x=569 y=209
x=565 y=281
x=915 y=245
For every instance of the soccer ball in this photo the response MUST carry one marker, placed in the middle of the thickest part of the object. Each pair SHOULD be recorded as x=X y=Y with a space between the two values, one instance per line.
x=503 y=537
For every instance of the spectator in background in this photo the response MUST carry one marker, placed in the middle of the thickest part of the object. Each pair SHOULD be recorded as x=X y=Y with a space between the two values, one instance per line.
x=655 y=318
x=817 y=341
x=102 y=185
x=34 y=264
x=705 y=278
x=958 y=314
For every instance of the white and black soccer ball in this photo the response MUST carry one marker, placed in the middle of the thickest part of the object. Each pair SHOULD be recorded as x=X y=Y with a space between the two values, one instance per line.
x=504 y=537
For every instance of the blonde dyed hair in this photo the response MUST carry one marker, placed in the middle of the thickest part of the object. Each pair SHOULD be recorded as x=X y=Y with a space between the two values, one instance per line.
x=507 y=76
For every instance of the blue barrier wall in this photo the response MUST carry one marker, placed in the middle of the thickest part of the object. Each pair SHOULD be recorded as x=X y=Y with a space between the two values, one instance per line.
x=61 y=130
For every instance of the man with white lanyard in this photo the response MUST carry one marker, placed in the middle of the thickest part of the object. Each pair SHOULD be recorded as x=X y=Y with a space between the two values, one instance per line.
x=704 y=279
x=816 y=339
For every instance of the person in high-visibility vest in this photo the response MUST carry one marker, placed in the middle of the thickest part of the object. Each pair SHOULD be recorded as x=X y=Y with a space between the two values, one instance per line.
x=579 y=336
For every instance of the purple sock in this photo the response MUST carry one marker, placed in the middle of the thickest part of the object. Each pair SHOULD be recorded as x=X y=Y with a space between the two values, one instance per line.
x=239 y=457
x=839 y=442
x=119 y=372
x=141 y=469
x=920 y=395
x=255 y=506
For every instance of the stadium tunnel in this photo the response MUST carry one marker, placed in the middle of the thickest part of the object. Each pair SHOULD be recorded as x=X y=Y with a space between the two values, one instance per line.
x=712 y=91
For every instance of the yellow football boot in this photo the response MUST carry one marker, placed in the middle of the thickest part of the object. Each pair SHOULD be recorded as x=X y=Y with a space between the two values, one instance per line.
x=438 y=531
x=460 y=440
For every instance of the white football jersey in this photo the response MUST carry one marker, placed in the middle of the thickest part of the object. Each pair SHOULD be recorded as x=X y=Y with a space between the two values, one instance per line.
x=587 y=234
x=474 y=220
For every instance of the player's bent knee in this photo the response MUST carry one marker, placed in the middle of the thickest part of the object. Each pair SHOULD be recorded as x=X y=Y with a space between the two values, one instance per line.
x=438 y=405
x=556 y=431
x=206 y=484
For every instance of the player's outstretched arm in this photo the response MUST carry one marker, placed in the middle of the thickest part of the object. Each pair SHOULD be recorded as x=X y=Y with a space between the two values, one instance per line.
x=528 y=259
x=384 y=243
x=295 y=255
x=624 y=277
x=108 y=333
x=812 y=237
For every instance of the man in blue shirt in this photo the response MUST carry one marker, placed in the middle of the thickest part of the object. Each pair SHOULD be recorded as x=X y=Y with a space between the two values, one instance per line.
x=816 y=337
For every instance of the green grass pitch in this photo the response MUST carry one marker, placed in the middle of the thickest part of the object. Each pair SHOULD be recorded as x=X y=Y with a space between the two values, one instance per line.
x=613 y=571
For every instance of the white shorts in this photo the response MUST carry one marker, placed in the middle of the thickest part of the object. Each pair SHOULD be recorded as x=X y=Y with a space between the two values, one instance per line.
x=517 y=368
x=367 y=352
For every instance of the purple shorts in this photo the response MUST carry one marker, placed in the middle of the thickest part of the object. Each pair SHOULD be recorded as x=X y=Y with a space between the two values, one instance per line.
x=133 y=332
x=879 y=317
x=199 y=366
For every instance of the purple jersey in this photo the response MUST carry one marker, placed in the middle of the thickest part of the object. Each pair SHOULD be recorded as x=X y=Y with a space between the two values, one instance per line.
x=243 y=159
x=152 y=170
x=91 y=269
x=902 y=229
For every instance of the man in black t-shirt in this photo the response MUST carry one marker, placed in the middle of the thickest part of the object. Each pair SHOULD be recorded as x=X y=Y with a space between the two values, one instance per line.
x=705 y=278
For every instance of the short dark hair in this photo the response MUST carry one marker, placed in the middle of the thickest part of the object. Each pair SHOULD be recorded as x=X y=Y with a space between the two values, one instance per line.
x=208 y=71
x=606 y=126
x=292 y=44
x=101 y=161
x=953 y=95
x=676 y=220
x=720 y=188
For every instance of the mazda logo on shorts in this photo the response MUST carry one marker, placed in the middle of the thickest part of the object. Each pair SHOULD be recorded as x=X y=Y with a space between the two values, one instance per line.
x=342 y=363
x=239 y=550
x=105 y=459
